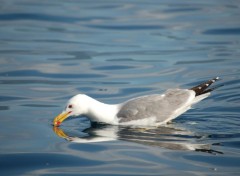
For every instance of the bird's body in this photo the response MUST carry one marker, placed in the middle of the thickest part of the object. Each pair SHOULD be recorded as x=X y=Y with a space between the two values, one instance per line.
x=149 y=110
x=157 y=108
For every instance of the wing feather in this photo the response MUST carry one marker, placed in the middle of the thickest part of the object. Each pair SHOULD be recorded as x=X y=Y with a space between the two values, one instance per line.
x=162 y=107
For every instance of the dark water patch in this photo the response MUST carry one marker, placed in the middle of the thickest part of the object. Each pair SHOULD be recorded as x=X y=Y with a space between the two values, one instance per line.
x=184 y=9
x=127 y=27
x=220 y=160
x=69 y=64
x=227 y=31
x=56 y=41
x=57 y=29
x=4 y=108
x=19 y=163
x=232 y=84
x=234 y=144
x=18 y=51
x=113 y=67
x=34 y=73
x=39 y=105
x=229 y=97
x=31 y=81
x=106 y=7
x=121 y=60
x=82 y=54
x=37 y=4
x=114 y=83
x=88 y=147
x=10 y=98
x=134 y=60
x=200 y=61
x=168 y=36
x=223 y=54
x=224 y=136
x=225 y=109
x=234 y=98
x=47 y=17
x=86 y=89
x=215 y=43
x=68 y=59
x=148 y=53
x=77 y=55
x=80 y=42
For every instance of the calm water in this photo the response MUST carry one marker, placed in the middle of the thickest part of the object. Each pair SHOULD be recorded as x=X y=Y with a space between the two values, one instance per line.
x=113 y=51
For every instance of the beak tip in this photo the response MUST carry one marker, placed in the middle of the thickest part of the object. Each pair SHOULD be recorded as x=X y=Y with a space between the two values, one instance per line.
x=60 y=118
x=56 y=124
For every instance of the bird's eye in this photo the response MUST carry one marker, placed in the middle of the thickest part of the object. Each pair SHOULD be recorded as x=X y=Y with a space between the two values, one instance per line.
x=70 y=106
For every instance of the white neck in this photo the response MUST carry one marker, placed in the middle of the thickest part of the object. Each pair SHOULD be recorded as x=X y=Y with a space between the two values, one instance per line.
x=100 y=112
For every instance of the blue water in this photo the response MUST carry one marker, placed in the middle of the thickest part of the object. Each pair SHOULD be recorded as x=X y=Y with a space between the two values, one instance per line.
x=113 y=51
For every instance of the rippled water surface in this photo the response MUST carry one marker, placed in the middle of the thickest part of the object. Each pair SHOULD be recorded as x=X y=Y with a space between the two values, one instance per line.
x=113 y=51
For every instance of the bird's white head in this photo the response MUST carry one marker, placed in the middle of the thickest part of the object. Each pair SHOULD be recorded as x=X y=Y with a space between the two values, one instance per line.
x=77 y=105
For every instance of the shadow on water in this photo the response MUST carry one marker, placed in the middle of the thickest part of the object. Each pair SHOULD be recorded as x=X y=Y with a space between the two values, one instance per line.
x=168 y=137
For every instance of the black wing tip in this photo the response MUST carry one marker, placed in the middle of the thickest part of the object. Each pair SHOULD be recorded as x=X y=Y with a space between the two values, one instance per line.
x=203 y=88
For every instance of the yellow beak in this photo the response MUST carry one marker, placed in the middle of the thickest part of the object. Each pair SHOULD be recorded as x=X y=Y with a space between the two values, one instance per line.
x=60 y=118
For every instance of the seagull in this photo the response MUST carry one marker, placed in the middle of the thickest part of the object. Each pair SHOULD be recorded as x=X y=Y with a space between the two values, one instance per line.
x=148 y=110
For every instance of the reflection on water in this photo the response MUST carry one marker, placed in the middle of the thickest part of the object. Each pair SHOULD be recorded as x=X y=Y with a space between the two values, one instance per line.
x=164 y=137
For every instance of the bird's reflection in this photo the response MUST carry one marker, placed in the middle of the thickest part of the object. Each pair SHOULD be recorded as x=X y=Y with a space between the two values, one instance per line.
x=164 y=137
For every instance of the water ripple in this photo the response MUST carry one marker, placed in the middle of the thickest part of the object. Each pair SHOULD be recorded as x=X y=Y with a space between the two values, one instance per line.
x=46 y=17
x=113 y=67
x=41 y=161
x=127 y=27
x=226 y=31
x=10 y=98
x=34 y=81
x=35 y=73
x=200 y=61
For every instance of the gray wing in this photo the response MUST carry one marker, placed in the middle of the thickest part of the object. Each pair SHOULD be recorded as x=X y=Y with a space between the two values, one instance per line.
x=160 y=106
